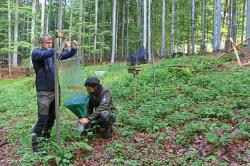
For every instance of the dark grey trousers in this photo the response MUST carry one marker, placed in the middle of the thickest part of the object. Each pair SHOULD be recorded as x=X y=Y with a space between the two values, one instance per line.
x=46 y=115
x=104 y=119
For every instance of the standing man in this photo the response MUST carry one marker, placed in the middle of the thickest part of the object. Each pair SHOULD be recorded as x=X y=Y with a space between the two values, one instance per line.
x=100 y=108
x=43 y=62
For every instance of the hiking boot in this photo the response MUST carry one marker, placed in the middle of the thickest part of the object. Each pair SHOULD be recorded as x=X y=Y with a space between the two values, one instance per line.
x=38 y=150
x=46 y=134
x=84 y=133
x=107 y=132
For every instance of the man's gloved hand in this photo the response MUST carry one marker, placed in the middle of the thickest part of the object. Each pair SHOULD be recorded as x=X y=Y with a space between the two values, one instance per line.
x=84 y=121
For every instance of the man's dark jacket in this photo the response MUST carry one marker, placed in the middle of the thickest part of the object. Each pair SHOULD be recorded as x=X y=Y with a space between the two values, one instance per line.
x=43 y=62
x=98 y=102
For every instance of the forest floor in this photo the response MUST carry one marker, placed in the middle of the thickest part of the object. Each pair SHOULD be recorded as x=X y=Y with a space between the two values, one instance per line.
x=200 y=117
x=7 y=149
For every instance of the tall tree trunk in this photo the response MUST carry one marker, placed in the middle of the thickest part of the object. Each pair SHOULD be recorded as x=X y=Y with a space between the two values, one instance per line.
x=225 y=11
x=15 y=35
x=80 y=29
x=193 y=44
x=203 y=27
x=113 y=31
x=229 y=26
x=83 y=29
x=234 y=24
x=9 y=36
x=42 y=17
x=96 y=14
x=71 y=20
x=33 y=24
x=117 y=29
x=139 y=20
x=163 y=48
x=243 y=21
x=145 y=25
x=149 y=30
x=188 y=39
x=103 y=20
x=123 y=27
x=183 y=33
x=217 y=25
x=47 y=19
x=60 y=16
x=172 y=30
x=248 y=23
x=127 y=40
x=177 y=29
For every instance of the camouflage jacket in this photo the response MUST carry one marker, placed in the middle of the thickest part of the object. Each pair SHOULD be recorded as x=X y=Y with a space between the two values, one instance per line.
x=101 y=101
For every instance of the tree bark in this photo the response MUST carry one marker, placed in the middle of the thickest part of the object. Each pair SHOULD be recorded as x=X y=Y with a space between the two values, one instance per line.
x=70 y=21
x=203 y=27
x=80 y=30
x=95 y=39
x=9 y=36
x=103 y=20
x=33 y=24
x=248 y=23
x=172 y=30
x=228 y=44
x=193 y=44
x=163 y=48
x=127 y=40
x=243 y=21
x=149 y=30
x=47 y=19
x=234 y=26
x=145 y=25
x=217 y=25
x=42 y=17
x=15 y=35
x=113 y=31
x=123 y=27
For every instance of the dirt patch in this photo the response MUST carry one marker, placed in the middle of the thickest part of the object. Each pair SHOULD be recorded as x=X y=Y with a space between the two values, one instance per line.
x=7 y=150
x=15 y=72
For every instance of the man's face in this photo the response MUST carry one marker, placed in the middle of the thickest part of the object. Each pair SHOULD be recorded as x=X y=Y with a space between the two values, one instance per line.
x=91 y=90
x=47 y=43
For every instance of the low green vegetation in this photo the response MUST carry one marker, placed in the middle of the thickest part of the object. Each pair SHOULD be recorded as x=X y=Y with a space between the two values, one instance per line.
x=199 y=101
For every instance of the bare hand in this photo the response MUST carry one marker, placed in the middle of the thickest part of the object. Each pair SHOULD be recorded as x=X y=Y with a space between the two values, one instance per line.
x=74 y=44
x=84 y=121
x=67 y=44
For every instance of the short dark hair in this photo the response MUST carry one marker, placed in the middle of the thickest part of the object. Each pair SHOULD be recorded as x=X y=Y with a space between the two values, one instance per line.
x=43 y=37
x=92 y=81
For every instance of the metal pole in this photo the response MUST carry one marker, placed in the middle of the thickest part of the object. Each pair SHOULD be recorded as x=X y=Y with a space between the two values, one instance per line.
x=57 y=92
x=57 y=52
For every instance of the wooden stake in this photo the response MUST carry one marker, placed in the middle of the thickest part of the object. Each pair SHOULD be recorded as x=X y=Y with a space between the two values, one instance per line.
x=154 y=84
x=242 y=51
x=236 y=53
x=134 y=89
x=232 y=48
